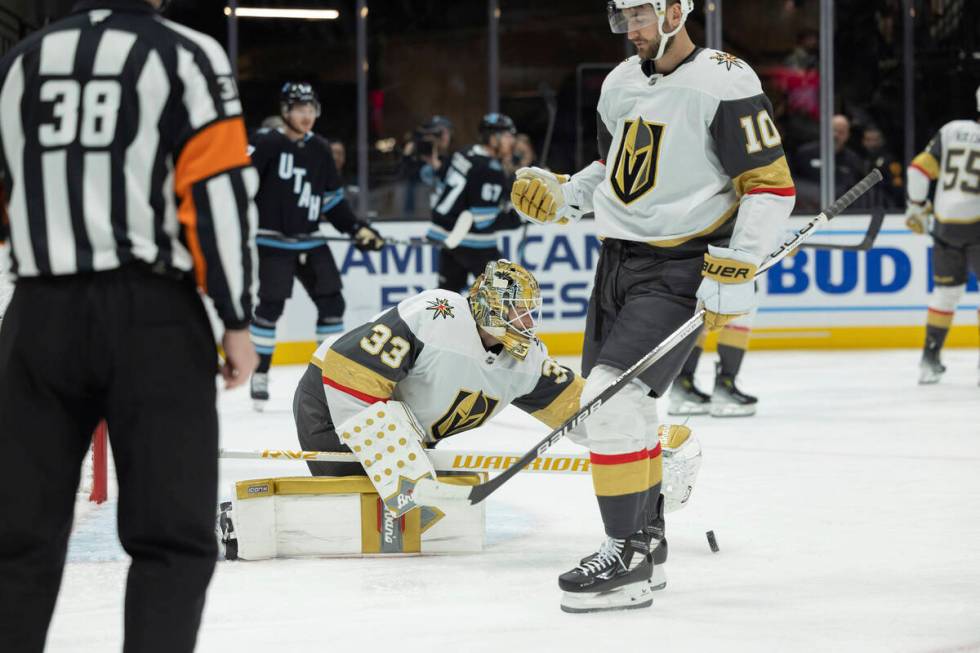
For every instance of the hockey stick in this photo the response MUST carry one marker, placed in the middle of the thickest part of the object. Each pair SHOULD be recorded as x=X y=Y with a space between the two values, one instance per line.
x=442 y=460
x=430 y=492
x=317 y=238
x=877 y=219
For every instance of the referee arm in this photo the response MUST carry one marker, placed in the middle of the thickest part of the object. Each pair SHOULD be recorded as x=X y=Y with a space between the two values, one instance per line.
x=215 y=185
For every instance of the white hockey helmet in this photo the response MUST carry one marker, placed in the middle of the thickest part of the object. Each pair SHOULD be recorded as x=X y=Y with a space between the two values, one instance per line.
x=628 y=15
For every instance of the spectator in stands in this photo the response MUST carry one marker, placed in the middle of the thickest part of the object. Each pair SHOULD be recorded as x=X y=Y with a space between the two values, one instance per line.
x=890 y=194
x=806 y=54
x=423 y=156
x=524 y=155
x=848 y=166
x=339 y=153
x=273 y=122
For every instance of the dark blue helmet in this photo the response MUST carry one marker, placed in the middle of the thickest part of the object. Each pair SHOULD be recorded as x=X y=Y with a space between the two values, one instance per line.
x=298 y=93
x=493 y=123
x=436 y=123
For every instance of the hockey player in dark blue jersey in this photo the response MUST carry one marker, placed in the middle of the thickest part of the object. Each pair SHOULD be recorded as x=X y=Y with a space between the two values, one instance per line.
x=468 y=206
x=299 y=194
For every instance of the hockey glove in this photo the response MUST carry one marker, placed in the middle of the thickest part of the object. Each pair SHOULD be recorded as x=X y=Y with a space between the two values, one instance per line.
x=917 y=216
x=367 y=239
x=540 y=196
x=728 y=287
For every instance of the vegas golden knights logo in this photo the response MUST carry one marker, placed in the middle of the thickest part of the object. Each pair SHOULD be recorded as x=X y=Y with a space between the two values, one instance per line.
x=635 y=172
x=468 y=411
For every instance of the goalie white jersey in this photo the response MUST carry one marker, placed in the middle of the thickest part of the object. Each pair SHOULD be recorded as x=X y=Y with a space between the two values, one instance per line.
x=685 y=154
x=427 y=353
x=952 y=160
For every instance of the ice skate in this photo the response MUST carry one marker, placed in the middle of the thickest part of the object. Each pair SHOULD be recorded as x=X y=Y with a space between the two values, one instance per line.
x=728 y=401
x=655 y=530
x=617 y=577
x=930 y=369
x=259 y=387
x=686 y=399
x=225 y=532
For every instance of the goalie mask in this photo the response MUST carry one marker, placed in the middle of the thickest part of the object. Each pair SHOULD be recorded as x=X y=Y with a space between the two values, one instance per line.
x=506 y=303
x=631 y=15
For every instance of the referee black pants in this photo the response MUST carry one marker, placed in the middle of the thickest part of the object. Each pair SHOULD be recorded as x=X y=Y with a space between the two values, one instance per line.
x=136 y=349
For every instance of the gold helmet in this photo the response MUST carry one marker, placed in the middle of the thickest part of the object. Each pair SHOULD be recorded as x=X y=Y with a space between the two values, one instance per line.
x=506 y=303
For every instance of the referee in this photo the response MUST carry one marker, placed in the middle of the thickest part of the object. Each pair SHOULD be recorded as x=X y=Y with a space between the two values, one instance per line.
x=128 y=189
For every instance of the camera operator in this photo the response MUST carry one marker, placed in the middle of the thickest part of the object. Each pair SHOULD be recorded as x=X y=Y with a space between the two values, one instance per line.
x=424 y=155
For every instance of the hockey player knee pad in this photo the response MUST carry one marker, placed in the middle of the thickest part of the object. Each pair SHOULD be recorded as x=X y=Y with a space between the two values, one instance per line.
x=945 y=298
x=268 y=312
x=618 y=425
x=329 y=308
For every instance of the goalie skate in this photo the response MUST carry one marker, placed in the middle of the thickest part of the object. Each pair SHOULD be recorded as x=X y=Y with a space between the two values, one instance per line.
x=686 y=399
x=728 y=401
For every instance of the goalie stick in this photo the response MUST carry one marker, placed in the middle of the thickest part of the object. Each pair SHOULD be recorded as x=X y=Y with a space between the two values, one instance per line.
x=430 y=492
x=877 y=219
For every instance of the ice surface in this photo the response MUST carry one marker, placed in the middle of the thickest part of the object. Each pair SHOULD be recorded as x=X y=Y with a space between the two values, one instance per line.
x=847 y=512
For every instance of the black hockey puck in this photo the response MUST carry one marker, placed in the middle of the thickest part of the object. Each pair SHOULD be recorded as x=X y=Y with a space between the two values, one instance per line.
x=712 y=542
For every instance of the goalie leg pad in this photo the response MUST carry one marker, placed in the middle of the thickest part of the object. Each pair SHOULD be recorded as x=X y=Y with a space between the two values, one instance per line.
x=319 y=516
x=388 y=441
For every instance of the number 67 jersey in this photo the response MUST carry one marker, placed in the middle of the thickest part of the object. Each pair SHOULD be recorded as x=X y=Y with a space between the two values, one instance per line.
x=686 y=154
x=427 y=353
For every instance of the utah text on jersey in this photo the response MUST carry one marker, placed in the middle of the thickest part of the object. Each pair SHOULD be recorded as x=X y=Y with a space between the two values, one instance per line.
x=301 y=188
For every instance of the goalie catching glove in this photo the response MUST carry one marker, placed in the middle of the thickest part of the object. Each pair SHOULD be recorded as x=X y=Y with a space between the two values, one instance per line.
x=544 y=197
x=728 y=287
x=387 y=440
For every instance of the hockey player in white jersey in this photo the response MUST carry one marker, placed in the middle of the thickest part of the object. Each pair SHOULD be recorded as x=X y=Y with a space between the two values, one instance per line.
x=692 y=193
x=453 y=361
x=952 y=160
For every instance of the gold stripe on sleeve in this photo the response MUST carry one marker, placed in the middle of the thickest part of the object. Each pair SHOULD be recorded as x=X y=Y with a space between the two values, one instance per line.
x=774 y=175
x=563 y=406
x=928 y=164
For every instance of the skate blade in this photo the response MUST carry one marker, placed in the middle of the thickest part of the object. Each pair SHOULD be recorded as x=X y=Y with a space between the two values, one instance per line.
x=928 y=377
x=258 y=405
x=629 y=597
x=659 y=580
x=733 y=410
x=687 y=408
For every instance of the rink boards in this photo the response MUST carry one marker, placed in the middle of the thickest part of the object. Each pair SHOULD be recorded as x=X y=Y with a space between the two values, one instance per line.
x=817 y=299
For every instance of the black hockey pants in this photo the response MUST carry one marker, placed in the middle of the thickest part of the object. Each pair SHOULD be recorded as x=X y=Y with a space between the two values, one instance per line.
x=135 y=348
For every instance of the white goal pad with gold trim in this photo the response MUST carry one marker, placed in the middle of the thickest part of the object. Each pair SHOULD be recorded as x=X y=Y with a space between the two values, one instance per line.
x=326 y=516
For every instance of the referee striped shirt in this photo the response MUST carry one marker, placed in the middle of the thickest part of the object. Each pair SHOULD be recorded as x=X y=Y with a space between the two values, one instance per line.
x=122 y=140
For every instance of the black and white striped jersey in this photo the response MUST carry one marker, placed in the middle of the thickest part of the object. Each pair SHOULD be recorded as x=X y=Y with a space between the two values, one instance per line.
x=122 y=140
